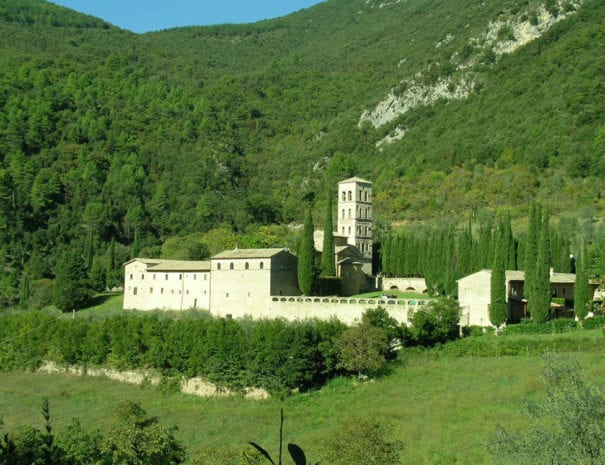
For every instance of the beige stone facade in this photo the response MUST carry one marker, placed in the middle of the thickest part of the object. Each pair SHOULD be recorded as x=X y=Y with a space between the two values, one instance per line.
x=243 y=280
x=151 y=284
x=474 y=295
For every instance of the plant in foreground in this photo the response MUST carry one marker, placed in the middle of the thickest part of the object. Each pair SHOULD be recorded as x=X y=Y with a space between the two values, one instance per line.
x=297 y=454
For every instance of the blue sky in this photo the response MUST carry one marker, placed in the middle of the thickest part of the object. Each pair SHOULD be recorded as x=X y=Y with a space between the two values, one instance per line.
x=153 y=15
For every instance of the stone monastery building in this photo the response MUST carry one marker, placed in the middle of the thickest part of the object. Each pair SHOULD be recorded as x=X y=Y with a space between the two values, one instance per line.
x=264 y=282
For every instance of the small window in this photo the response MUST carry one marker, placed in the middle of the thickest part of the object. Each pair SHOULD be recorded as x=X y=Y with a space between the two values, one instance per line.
x=205 y=277
x=154 y=276
x=349 y=213
x=142 y=276
x=231 y=266
x=262 y=265
x=227 y=294
x=249 y=294
x=166 y=276
x=343 y=230
x=366 y=196
x=350 y=196
x=151 y=290
x=194 y=276
x=343 y=212
x=134 y=291
x=161 y=290
x=349 y=229
x=218 y=266
x=247 y=266
x=344 y=195
x=130 y=276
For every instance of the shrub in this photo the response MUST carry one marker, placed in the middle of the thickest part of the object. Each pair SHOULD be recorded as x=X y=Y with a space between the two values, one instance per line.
x=436 y=323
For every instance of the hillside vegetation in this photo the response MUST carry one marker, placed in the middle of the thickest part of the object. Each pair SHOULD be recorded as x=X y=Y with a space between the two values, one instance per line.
x=108 y=135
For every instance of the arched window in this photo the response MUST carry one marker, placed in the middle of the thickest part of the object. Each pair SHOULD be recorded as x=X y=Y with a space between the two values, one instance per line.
x=349 y=213
x=134 y=291
x=218 y=266
x=350 y=195
x=262 y=265
x=365 y=196
x=343 y=215
x=231 y=266
x=344 y=195
x=247 y=266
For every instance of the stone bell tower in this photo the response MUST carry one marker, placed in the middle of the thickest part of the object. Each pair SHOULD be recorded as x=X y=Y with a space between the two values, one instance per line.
x=355 y=213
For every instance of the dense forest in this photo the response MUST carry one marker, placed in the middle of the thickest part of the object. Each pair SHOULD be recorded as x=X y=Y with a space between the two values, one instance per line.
x=115 y=144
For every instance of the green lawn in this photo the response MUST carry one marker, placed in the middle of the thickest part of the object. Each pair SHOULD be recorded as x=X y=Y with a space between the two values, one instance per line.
x=399 y=295
x=443 y=409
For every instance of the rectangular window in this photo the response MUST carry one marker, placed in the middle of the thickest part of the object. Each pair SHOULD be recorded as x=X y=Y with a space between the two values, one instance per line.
x=151 y=290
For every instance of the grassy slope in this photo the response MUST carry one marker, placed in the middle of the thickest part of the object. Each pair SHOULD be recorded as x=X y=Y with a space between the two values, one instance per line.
x=443 y=409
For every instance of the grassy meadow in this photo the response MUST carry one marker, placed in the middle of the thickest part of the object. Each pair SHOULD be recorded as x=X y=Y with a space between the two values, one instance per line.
x=443 y=409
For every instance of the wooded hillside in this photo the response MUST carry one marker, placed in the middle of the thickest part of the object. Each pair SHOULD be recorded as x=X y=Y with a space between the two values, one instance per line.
x=109 y=135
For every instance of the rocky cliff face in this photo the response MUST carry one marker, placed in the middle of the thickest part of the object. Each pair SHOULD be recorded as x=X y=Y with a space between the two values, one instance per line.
x=504 y=34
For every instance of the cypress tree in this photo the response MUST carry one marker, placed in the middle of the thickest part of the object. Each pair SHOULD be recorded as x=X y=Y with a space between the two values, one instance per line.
x=385 y=254
x=72 y=290
x=581 y=291
x=539 y=301
x=111 y=259
x=464 y=250
x=510 y=259
x=498 y=308
x=306 y=257
x=328 y=265
x=531 y=250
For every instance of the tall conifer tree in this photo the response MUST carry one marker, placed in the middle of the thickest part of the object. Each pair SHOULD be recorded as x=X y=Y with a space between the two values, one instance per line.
x=581 y=291
x=498 y=307
x=328 y=265
x=531 y=250
x=539 y=301
x=306 y=257
x=385 y=254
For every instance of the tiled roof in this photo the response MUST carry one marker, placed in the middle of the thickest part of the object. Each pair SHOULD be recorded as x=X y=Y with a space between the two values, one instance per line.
x=516 y=275
x=180 y=265
x=355 y=179
x=249 y=253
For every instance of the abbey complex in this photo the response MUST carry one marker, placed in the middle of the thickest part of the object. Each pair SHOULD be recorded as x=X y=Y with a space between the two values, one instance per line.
x=263 y=283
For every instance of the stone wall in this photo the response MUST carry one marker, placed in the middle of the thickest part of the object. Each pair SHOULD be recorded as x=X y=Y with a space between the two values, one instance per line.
x=403 y=284
x=346 y=310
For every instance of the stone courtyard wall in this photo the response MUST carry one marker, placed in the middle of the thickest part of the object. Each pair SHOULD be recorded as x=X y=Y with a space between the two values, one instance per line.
x=346 y=310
